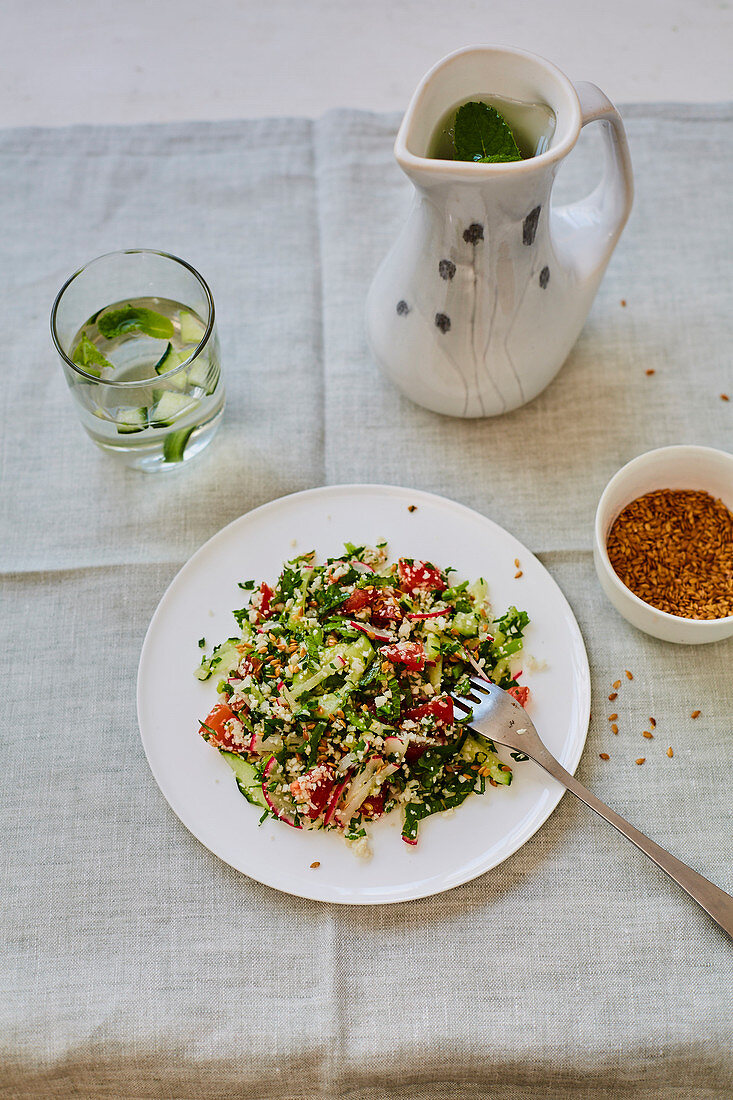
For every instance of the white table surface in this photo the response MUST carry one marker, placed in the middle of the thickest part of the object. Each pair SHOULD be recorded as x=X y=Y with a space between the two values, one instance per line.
x=94 y=61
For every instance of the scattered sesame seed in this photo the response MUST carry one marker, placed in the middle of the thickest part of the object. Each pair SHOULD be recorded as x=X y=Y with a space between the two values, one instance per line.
x=653 y=723
x=316 y=863
x=623 y=302
x=669 y=752
x=604 y=756
x=695 y=714
x=641 y=760
x=614 y=728
x=412 y=507
x=628 y=674
x=616 y=685
x=649 y=736
x=724 y=397
x=518 y=574
x=651 y=371
x=516 y=563
x=612 y=696
x=612 y=717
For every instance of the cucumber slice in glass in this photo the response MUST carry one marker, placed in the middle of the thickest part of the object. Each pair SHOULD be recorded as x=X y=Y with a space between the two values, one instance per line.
x=170 y=406
x=204 y=375
x=174 y=445
x=131 y=420
x=168 y=361
x=192 y=329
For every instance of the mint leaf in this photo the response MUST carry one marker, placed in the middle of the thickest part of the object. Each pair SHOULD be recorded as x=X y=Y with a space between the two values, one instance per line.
x=482 y=135
x=135 y=319
x=89 y=358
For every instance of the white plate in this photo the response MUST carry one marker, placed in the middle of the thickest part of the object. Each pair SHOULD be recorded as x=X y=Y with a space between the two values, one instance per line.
x=199 y=785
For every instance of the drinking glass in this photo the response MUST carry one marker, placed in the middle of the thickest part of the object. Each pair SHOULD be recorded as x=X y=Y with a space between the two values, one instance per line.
x=136 y=337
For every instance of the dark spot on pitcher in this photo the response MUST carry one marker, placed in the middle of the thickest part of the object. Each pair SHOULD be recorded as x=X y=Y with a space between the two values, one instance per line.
x=474 y=233
x=529 y=227
x=544 y=277
x=402 y=308
x=442 y=322
x=446 y=269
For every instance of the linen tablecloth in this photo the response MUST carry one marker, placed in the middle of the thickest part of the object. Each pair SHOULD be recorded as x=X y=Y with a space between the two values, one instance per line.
x=135 y=963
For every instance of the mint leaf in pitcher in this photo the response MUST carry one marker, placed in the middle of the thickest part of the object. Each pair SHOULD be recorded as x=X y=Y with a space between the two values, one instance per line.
x=482 y=135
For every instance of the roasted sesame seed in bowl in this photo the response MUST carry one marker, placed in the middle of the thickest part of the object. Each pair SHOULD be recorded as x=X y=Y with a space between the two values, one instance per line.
x=663 y=545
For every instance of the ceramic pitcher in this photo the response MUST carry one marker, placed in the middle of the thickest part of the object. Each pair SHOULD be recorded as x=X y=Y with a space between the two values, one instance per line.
x=485 y=291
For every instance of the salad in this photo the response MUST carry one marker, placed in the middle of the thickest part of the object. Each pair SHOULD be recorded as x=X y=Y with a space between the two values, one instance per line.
x=335 y=696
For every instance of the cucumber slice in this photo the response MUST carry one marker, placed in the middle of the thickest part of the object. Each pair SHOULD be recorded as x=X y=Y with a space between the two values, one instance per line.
x=168 y=361
x=249 y=785
x=465 y=622
x=131 y=420
x=203 y=375
x=89 y=358
x=192 y=329
x=175 y=444
x=170 y=406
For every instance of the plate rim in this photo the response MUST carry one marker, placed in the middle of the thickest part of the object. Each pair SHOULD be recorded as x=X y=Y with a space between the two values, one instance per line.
x=399 y=894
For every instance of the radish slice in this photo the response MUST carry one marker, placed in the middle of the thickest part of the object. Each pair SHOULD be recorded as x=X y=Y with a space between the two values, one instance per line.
x=471 y=660
x=428 y=615
x=362 y=565
x=395 y=746
x=372 y=631
x=276 y=800
x=334 y=801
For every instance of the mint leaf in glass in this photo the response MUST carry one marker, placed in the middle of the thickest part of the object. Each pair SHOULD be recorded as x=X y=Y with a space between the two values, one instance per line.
x=482 y=135
x=116 y=322
x=89 y=358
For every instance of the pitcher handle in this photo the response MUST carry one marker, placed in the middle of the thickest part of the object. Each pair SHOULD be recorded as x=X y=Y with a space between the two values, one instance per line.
x=587 y=230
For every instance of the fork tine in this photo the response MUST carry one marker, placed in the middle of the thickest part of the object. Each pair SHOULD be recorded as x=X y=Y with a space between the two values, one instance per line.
x=479 y=685
x=461 y=705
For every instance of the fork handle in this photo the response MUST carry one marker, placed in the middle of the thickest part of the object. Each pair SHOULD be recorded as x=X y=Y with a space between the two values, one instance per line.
x=712 y=899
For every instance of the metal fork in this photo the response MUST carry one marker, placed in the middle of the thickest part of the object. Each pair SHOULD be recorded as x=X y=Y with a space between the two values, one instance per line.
x=500 y=718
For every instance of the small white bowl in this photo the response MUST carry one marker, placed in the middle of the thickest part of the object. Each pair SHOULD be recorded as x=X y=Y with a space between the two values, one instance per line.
x=682 y=467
